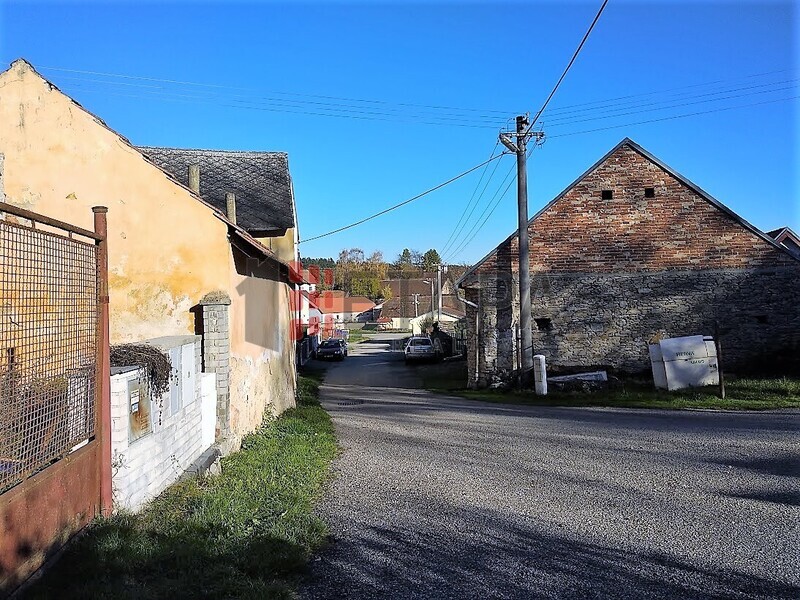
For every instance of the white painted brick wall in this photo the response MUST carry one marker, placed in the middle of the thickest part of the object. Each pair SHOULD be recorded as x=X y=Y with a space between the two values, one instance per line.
x=146 y=467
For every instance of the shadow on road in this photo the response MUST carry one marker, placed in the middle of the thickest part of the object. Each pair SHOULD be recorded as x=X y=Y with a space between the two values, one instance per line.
x=507 y=560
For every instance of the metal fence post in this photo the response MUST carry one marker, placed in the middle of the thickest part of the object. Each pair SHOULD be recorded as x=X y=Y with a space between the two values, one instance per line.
x=103 y=385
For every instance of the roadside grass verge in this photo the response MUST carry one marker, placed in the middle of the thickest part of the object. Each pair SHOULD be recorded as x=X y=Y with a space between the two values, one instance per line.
x=741 y=394
x=246 y=533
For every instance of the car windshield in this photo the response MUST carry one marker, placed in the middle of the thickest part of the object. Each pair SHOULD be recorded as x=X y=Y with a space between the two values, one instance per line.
x=330 y=344
x=420 y=342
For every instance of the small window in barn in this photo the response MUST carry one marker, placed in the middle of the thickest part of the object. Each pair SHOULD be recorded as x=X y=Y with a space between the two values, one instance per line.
x=762 y=319
x=607 y=194
x=543 y=324
x=649 y=192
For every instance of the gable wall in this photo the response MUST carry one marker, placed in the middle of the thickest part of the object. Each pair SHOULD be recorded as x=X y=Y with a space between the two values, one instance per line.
x=677 y=229
x=610 y=274
x=166 y=250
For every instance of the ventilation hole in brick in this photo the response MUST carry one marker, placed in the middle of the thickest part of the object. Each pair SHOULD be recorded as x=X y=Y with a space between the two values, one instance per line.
x=607 y=194
x=649 y=192
x=762 y=319
x=543 y=324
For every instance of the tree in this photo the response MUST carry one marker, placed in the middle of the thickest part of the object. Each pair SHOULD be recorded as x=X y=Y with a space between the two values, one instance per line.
x=430 y=260
x=321 y=268
x=404 y=259
x=416 y=259
x=361 y=275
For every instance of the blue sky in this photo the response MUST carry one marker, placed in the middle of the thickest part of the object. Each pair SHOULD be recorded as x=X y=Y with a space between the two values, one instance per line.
x=376 y=102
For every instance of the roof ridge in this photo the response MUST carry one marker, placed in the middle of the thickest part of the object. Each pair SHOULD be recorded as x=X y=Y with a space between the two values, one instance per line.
x=217 y=151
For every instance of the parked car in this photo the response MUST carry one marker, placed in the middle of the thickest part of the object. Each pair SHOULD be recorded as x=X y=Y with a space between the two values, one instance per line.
x=333 y=348
x=419 y=348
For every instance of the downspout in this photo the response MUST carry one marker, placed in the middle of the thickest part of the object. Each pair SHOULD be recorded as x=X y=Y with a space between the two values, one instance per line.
x=477 y=308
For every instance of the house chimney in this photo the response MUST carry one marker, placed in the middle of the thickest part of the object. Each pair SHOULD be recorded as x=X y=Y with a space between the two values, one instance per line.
x=194 y=178
x=230 y=201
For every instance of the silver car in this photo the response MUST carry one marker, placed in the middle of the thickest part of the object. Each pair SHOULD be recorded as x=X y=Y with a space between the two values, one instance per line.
x=419 y=348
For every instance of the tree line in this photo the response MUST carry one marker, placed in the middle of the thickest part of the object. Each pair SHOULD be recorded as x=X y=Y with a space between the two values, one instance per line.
x=359 y=274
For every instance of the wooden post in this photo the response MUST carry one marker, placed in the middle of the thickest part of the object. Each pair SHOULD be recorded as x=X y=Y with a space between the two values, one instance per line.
x=718 y=345
x=103 y=365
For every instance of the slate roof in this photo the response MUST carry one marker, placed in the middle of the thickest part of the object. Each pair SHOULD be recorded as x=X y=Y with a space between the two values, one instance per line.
x=260 y=180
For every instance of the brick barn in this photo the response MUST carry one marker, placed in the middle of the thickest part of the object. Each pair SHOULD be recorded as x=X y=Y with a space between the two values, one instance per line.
x=631 y=250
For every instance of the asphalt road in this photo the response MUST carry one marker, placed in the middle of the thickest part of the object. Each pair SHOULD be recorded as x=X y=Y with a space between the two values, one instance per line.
x=439 y=497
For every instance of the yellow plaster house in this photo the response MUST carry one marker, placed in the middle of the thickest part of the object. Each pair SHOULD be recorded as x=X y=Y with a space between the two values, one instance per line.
x=170 y=250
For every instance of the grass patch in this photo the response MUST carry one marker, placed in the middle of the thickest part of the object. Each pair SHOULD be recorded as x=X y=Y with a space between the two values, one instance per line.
x=359 y=335
x=741 y=394
x=246 y=533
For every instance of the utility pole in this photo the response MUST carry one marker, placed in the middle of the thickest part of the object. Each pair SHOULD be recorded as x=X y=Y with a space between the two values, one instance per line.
x=439 y=283
x=520 y=148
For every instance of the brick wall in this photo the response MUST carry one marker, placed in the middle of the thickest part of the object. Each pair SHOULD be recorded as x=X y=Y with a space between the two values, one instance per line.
x=609 y=273
x=144 y=467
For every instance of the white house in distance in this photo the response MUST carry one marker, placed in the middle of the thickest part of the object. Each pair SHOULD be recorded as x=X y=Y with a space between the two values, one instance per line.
x=340 y=308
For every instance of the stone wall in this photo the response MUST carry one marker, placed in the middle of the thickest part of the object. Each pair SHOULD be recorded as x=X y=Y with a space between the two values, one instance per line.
x=606 y=319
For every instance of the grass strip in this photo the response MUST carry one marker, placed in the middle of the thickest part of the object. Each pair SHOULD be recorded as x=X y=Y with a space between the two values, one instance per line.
x=741 y=394
x=246 y=533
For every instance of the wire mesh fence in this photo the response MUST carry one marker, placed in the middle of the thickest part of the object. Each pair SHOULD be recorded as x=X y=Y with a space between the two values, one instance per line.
x=48 y=345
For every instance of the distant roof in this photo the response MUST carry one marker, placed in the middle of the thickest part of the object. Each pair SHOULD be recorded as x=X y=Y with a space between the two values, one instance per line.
x=405 y=307
x=407 y=287
x=783 y=232
x=334 y=301
x=260 y=180
x=787 y=238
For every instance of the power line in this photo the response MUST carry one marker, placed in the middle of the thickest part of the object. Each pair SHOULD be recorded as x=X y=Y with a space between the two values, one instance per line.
x=668 y=102
x=290 y=110
x=569 y=65
x=671 y=117
x=386 y=109
x=490 y=208
x=395 y=115
x=396 y=206
x=219 y=86
x=593 y=103
x=521 y=141
x=432 y=120
x=466 y=242
x=469 y=203
x=655 y=106
x=157 y=91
